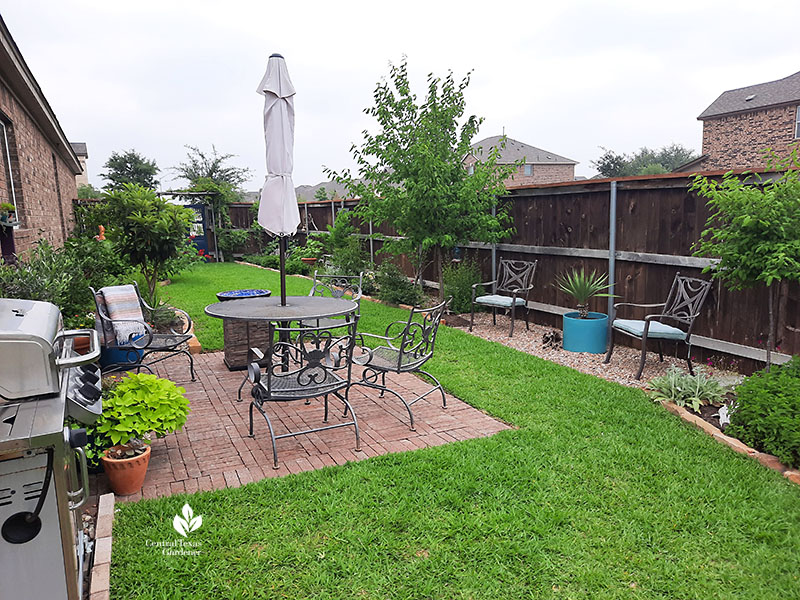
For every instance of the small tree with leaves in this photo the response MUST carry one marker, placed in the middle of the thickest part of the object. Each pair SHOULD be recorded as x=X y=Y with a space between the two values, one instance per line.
x=150 y=233
x=202 y=165
x=754 y=230
x=129 y=167
x=411 y=173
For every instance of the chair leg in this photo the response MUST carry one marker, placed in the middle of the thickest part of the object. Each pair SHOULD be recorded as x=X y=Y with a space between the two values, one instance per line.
x=438 y=386
x=513 y=318
x=607 y=359
x=472 y=316
x=349 y=408
x=527 y=312
x=324 y=418
x=494 y=316
x=642 y=359
x=660 y=351
x=271 y=432
x=689 y=358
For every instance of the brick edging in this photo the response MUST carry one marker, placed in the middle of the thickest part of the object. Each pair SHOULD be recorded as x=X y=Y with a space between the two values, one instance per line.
x=765 y=459
x=100 y=588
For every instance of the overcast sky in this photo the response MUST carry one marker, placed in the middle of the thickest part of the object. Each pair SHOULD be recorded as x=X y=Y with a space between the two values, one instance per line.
x=565 y=76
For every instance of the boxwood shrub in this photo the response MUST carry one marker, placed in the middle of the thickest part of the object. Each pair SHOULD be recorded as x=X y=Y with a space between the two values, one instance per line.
x=767 y=415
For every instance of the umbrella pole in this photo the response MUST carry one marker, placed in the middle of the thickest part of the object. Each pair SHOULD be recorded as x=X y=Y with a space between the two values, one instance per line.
x=282 y=240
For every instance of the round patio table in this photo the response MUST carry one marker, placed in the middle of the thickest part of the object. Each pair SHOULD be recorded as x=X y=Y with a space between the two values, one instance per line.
x=298 y=308
x=257 y=313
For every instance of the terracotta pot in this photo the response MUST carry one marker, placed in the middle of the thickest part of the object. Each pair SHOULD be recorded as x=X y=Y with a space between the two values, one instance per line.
x=309 y=261
x=126 y=476
x=81 y=344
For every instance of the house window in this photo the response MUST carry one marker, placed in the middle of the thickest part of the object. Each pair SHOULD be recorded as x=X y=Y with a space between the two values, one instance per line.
x=529 y=170
x=471 y=169
x=7 y=149
x=797 y=122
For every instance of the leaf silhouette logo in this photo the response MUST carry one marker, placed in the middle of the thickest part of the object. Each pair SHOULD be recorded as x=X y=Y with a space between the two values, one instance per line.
x=188 y=522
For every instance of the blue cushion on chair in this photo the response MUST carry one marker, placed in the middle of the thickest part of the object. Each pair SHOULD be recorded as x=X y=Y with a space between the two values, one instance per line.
x=657 y=329
x=499 y=301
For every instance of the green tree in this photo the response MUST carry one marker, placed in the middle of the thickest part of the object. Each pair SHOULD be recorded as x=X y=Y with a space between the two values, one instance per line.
x=86 y=191
x=644 y=162
x=201 y=165
x=150 y=233
x=321 y=195
x=410 y=173
x=129 y=167
x=754 y=230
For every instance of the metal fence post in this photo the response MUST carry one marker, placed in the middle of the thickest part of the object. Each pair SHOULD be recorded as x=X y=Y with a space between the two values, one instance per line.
x=612 y=252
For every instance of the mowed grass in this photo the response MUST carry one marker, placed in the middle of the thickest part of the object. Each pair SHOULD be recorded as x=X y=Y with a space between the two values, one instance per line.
x=597 y=493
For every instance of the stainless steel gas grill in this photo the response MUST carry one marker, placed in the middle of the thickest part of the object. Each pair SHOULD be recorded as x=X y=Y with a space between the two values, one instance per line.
x=43 y=474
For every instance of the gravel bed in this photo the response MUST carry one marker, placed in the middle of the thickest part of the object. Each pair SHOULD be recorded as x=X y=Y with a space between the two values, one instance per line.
x=621 y=369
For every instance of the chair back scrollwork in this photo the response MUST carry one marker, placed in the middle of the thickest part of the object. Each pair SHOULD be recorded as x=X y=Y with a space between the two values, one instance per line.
x=419 y=335
x=686 y=298
x=310 y=361
x=515 y=275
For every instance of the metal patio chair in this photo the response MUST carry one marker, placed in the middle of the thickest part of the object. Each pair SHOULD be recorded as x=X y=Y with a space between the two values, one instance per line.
x=307 y=362
x=509 y=291
x=128 y=341
x=337 y=286
x=682 y=306
x=404 y=352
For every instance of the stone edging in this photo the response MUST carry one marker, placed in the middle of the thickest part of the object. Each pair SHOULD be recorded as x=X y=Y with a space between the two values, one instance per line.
x=101 y=571
x=765 y=459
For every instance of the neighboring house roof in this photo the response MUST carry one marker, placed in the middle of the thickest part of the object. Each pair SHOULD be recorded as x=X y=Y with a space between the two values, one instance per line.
x=515 y=151
x=753 y=97
x=691 y=165
x=16 y=74
x=79 y=148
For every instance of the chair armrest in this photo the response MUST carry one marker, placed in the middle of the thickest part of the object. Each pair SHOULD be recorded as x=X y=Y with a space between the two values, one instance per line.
x=140 y=343
x=618 y=304
x=186 y=320
x=389 y=326
x=476 y=285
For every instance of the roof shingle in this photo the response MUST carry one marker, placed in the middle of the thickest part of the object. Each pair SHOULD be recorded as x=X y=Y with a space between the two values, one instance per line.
x=515 y=151
x=772 y=93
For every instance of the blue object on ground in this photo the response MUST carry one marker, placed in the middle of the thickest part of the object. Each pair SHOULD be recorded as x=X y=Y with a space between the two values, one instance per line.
x=585 y=335
x=235 y=294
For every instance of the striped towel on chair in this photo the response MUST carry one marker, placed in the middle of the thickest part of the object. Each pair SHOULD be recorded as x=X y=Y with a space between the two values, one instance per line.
x=122 y=303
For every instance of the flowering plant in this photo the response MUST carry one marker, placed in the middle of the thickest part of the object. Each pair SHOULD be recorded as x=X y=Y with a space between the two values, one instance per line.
x=80 y=321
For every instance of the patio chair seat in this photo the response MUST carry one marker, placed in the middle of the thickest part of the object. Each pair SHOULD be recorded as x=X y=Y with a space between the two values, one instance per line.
x=167 y=341
x=386 y=358
x=498 y=301
x=289 y=388
x=657 y=329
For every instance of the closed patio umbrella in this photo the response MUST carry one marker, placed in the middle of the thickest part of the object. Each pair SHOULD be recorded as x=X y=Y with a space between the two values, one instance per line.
x=277 y=211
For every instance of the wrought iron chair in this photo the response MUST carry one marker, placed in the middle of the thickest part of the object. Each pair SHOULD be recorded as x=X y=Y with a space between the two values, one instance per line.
x=404 y=352
x=337 y=286
x=683 y=304
x=128 y=341
x=509 y=291
x=306 y=363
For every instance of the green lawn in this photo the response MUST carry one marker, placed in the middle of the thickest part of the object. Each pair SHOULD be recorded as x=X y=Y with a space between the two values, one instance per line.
x=598 y=493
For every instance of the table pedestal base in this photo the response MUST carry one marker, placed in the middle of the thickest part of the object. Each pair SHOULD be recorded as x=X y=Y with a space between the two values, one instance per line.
x=239 y=337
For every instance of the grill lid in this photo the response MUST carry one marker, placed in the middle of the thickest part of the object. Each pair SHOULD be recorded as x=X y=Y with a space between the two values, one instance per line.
x=28 y=335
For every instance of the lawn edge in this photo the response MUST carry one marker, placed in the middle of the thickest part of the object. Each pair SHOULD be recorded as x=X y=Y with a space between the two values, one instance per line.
x=767 y=460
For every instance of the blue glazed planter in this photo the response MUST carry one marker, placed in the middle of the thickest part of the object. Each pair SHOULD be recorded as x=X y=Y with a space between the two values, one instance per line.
x=585 y=335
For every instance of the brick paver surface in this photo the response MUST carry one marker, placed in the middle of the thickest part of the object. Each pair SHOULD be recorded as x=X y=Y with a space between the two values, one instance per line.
x=214 y=449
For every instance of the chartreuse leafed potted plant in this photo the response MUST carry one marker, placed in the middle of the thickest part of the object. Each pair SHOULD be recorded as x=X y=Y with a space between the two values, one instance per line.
x=584 y=331
x=138 y=407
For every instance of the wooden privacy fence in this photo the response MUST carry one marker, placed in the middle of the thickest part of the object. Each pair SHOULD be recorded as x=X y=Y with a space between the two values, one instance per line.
x=657 y=221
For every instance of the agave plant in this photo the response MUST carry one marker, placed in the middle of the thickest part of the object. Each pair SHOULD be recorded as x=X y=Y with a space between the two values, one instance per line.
x=581 y=286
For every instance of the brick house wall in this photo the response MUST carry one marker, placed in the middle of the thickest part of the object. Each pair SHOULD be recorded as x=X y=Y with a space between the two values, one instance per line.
x=44 y=184
x=737 y=141
x=542 y=173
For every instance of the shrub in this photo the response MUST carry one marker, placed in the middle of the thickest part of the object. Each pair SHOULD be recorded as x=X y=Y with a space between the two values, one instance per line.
x=458 y=281
x=767 y=412
x=313 y=249
x=232 y=240
x=263 y=260
x=140 y=404
x=395 y=288
x=295 y=266
x=349 y=257
x=684 y=389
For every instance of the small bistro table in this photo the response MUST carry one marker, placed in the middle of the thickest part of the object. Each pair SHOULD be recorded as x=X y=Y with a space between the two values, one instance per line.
x=256 y=314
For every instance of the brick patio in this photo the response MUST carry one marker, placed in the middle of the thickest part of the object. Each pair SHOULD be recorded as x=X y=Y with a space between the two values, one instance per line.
x=214 y=450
